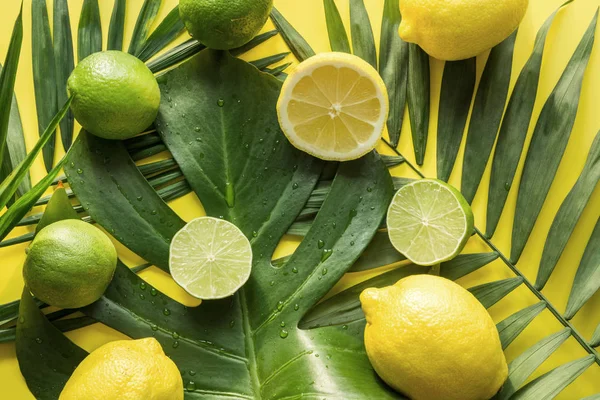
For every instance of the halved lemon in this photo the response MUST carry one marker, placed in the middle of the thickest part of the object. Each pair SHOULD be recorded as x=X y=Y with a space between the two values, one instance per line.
x=333 y=106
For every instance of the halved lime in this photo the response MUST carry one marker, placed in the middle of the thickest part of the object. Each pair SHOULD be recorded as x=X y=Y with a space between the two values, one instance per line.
x=429 y=221
x=210 y=258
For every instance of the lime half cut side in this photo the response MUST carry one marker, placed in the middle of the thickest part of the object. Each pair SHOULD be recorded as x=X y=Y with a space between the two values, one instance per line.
x=429 y=221
x=210 y=258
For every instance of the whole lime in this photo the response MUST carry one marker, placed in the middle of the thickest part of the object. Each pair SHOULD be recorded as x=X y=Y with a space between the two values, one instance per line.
x=224 y=24
x=69 y=264
x=115 y=96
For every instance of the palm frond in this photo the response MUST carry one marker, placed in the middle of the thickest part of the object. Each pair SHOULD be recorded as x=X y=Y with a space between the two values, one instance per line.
x=418 y=92
x=144 y=21
x=116 y=30
x=488 y=108
x=506 y=156
x=166 y=32
x=393 y=67
x=548 y=143
x=363 y=42
x=43 y=66
x=12 y=144
x=569 y=213
x=89 y=33
x=458 y=83
x=64 y=64
x=514 y=127
x=167 y=180
x=338 y=38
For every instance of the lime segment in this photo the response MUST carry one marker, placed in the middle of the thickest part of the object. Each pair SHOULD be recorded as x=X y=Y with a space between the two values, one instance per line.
x=429 y=221
x=210 y=258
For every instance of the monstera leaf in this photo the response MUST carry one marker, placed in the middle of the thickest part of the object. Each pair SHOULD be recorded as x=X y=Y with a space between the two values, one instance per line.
x=227 y=142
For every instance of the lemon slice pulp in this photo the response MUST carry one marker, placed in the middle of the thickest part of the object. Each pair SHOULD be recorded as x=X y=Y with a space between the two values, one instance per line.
x=333 y=106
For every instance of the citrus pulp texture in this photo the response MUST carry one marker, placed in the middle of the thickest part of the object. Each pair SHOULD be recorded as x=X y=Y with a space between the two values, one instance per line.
x=224 y=24
x=459 y=29
x=333 y=106
x=429 y=338
x=125 y=370
x=115 y=96
x=210 y=258
x=69 y=264
x=429 y=221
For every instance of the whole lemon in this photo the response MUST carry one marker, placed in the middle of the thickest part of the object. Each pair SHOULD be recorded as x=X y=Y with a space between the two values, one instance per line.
x=224 y=24
x=125 y=370
x=69 y=264
x=459 y=29
x=429 y=338
x=115 y=95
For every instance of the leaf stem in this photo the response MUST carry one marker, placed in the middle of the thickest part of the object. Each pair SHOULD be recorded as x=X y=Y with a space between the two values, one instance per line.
x=574 y=332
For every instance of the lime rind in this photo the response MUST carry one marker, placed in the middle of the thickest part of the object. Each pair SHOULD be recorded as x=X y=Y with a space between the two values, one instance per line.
x=429 y=222
x=210 y=258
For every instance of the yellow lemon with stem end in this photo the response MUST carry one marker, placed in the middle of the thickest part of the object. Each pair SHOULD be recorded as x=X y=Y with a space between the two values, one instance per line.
x=333 y=106
x=429 y=338
x=125 y=370
x=459 y=29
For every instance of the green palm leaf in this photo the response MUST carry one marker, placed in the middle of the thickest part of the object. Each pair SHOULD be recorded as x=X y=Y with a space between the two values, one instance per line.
x=363 y=43
x=10 y=185
x=393 y=67
x=12 y=140
x=260 y=308
x=514 y=128
x=490 y=293
x=42 y=346
x=525 y=364
x=89 y=33
x=548 y=143
x=418 y=99
x=338 y=39
x=22 y=206
x=292 y=38
x=512 y=326
x=93 y=162
x=43 y=67
x=458 y=83
x=144 y=21
x=569 y=213
x=314 y=212
x=587 y=281
x=488 y=108
x=167 y=31
x=116 y=30
x=64 y=63
x=552 y=383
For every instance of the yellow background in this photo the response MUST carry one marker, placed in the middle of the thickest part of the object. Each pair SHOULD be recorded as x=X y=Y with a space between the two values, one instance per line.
x=307 y=16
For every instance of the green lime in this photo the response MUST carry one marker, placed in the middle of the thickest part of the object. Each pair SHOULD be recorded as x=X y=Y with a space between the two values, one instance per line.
x=429 y=221
x=224 y=24
x=210 y=258
x=69 y=264
x=115 y=96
